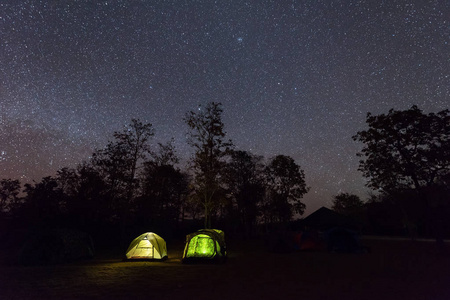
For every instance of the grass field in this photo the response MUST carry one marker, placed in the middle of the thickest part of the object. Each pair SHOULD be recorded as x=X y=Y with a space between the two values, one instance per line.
x=392 y=270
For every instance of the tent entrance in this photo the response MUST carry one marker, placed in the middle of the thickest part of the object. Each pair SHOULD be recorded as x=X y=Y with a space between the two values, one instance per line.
x=205 y=245
x=202 y=246
x=144 y=249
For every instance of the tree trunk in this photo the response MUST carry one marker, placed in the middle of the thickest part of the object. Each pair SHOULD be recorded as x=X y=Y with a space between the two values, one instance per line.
x=206 y=216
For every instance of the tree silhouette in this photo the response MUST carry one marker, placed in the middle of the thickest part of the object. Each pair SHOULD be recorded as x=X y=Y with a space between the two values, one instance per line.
x=285 y=188
x=88 y=201
x=164 y=188
x=347 y=204
x=118 y=164
x=409 y=151
x=405 y=149
x=244 y=179
x=206 y=135
x=43 y=202
x=9 y=195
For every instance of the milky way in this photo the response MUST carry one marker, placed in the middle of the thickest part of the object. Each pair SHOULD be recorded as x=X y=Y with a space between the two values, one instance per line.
x=294 y=77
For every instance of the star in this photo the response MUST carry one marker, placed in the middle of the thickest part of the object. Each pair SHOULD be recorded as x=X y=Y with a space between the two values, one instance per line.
x=294 y=78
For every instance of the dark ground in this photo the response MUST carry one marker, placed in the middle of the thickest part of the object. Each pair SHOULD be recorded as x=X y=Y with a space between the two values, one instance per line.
x=403 y=270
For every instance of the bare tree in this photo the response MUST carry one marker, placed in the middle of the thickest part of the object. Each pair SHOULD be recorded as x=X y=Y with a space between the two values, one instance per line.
x=207 y=136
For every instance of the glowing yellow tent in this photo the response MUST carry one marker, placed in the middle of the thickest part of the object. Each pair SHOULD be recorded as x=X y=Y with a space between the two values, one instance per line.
x=148 y=245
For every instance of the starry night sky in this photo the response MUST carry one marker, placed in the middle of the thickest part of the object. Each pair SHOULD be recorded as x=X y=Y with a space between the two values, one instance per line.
x=294 y=77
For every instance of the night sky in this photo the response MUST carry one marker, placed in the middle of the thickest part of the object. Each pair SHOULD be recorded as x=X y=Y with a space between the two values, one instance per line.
x=294 y=77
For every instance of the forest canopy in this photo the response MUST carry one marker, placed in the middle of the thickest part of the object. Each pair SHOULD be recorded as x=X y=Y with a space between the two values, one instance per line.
x=132 y=184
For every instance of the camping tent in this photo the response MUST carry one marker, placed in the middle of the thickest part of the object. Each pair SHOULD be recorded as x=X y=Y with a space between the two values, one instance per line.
x=148 y=245
x=205 y=244
x=308 y=241
x=343 y=240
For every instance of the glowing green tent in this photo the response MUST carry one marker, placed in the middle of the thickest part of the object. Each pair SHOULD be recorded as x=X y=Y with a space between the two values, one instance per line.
x=205 y=244
x=148 y=245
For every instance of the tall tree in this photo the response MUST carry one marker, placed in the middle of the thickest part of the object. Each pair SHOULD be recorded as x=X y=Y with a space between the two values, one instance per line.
x=119 y=162
x=121 y=158
x=164 y=188
x=286 y=186
x=408 y=151
x=405 y=149
x=207 y=136
x=244 y=179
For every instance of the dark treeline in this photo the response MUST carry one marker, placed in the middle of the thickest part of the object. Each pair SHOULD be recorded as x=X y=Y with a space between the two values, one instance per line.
x=406 y=160
x=129 y=187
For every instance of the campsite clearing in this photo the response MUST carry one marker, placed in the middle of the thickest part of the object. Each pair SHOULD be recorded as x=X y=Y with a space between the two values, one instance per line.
x=392 y=270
